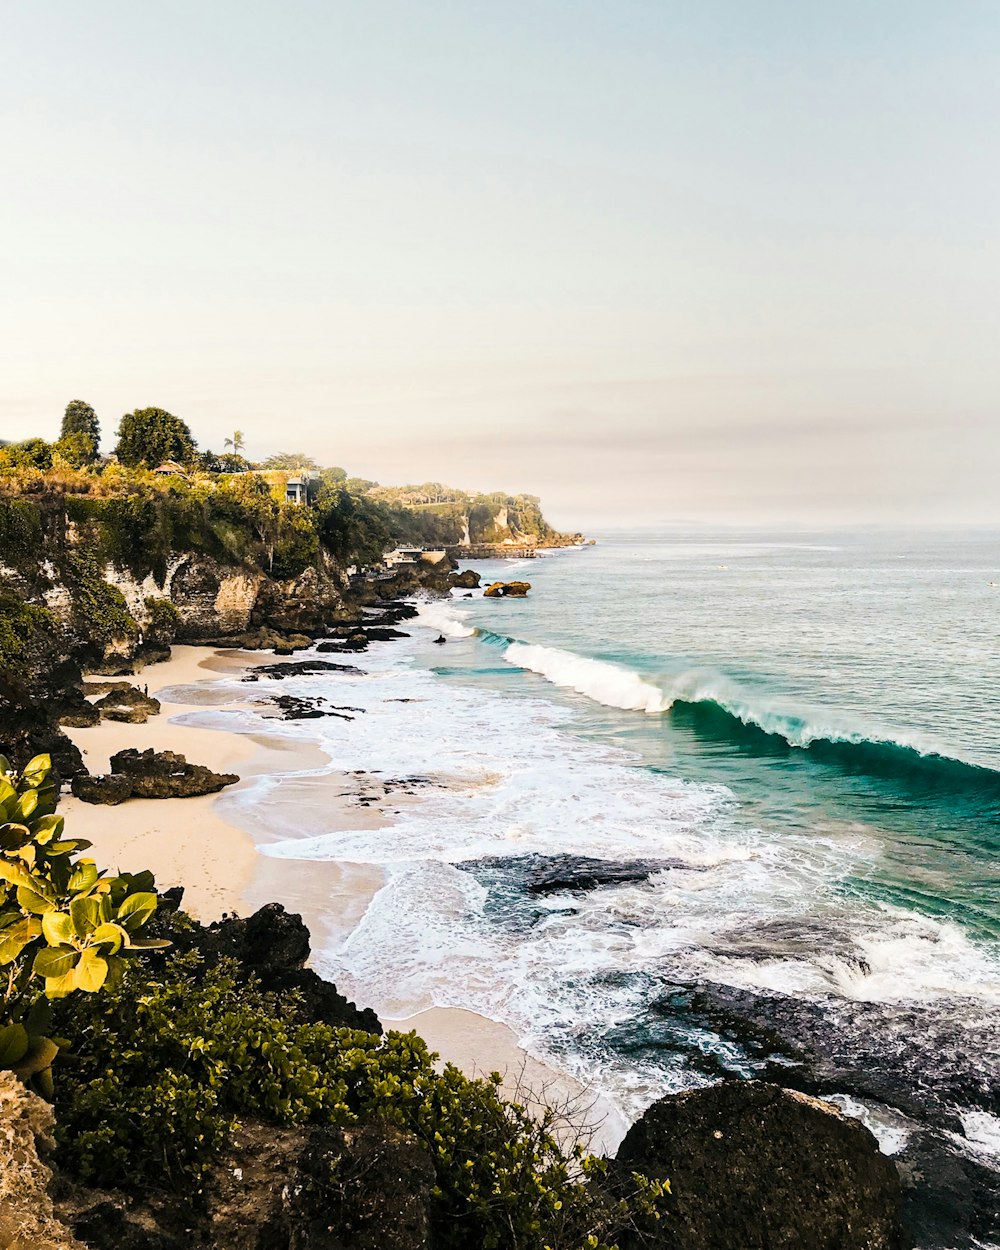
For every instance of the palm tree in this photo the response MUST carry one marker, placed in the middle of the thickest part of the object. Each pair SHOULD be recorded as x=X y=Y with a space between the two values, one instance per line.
x=237 y=442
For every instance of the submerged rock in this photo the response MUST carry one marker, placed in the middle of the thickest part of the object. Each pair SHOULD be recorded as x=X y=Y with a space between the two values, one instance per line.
x=167 y=775
x=756 y=1167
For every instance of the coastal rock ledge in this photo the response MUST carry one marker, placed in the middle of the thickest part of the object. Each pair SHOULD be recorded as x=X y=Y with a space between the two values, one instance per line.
x=758 y=1167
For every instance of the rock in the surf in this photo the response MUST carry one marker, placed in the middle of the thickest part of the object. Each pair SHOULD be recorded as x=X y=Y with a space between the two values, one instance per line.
x=506 y=590
x=758 y=1167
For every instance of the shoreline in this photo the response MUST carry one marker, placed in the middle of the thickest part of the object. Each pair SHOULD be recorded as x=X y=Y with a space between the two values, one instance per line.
x=219 y=863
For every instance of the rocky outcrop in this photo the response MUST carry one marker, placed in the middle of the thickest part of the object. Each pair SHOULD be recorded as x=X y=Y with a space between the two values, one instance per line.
x=758 y=1167
x=298 y=668
x=27 y=1216
x=273 y=946
x=127 y=703
x=167 y=775
x=109 y=790
x=507 y=590
x=29 y=720
x=469 y=579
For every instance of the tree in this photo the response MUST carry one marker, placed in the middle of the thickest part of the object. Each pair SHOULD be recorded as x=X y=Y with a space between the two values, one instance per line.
x=237 y=442
x=80 y=418
x=149 y=436
x=291 y=461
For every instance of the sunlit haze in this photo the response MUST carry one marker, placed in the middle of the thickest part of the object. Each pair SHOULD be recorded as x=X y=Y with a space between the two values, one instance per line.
x=650 y=261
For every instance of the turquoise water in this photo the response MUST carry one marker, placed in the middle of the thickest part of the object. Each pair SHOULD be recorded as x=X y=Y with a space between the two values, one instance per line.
x=795 y=738
x=845 y=680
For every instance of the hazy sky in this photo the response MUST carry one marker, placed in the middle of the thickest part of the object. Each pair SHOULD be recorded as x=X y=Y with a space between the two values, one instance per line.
x=647 y=259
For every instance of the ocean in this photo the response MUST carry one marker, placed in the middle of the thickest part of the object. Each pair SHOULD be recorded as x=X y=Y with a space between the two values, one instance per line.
x=701 y=793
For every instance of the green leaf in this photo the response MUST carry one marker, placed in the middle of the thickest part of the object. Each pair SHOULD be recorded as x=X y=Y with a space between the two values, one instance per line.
x=33 y=901
x=47 y=828
x=26 y=804
x=41 y=1053
x=37 y=771
x=60 y=987
x=13 y=1044
x=14 y=938
x=86 y=914
x=6 y=767
x=54 y=961
x=68 y=846
x=39 y=1017
x=112 y=934
x=13 y=836
x=15 y=873
x=136 y=910
x=84 y=877
x=58 y=928
x=91 y=972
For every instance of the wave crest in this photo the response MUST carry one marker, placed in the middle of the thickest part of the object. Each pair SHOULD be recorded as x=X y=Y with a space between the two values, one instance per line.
x=715 y=707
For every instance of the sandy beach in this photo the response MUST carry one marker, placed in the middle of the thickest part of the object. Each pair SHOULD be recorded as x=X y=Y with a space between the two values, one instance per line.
x=187 y=842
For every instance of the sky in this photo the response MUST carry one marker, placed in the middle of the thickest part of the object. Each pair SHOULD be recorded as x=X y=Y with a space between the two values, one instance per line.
x=730 y=261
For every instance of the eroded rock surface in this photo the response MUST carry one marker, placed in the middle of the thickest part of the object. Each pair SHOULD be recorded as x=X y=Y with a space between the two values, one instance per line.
x=756 y=1167
x=167 y=775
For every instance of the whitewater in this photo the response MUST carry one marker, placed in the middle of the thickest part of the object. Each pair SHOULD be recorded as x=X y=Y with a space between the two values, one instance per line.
x=797 y=743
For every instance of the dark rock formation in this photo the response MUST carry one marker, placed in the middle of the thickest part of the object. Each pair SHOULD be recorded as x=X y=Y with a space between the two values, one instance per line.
x=128 y=704
x=467 y=580
x=381 y=634
x=507 y=590
x=356 y=640
x=273 y=945
x=261 y=639
x=29 y=712
x=298 y=668
x=111 y=790
x=167 y=775
x=550 y=874
x=756 y=1167
x=83 y=715
x=293 y=708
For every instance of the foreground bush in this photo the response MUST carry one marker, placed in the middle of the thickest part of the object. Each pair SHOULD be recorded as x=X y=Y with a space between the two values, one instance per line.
x=64 y=925
x=163 y=1067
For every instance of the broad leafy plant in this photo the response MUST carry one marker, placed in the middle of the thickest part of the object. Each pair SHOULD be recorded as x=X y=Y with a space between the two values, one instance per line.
x=64 y=925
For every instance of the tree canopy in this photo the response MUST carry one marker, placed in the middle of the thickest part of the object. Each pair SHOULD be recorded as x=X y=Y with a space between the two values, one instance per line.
x=80 y=418
x=150 y=436
x=293 y=461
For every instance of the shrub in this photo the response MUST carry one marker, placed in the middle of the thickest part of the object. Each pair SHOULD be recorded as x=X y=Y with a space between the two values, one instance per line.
x=165 y=1065
x=21 y=624
x=64 y=926
x=100 y=607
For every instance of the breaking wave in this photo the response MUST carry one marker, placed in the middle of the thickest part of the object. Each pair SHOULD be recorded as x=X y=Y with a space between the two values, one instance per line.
x=713 y=707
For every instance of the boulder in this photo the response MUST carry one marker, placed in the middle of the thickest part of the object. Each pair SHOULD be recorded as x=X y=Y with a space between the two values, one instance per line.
x=507 y=590
x=128 y=704
x=27 y=1218
x=467 y=580
x=167 y=775
x=759 y=1167
x=83 y=715
x=110 y=790
x=28 y=720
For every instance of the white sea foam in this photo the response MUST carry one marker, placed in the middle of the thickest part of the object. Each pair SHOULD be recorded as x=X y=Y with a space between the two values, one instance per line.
x=610 y=684
x=444 y=618
x=506 y=779
x=616 y=685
